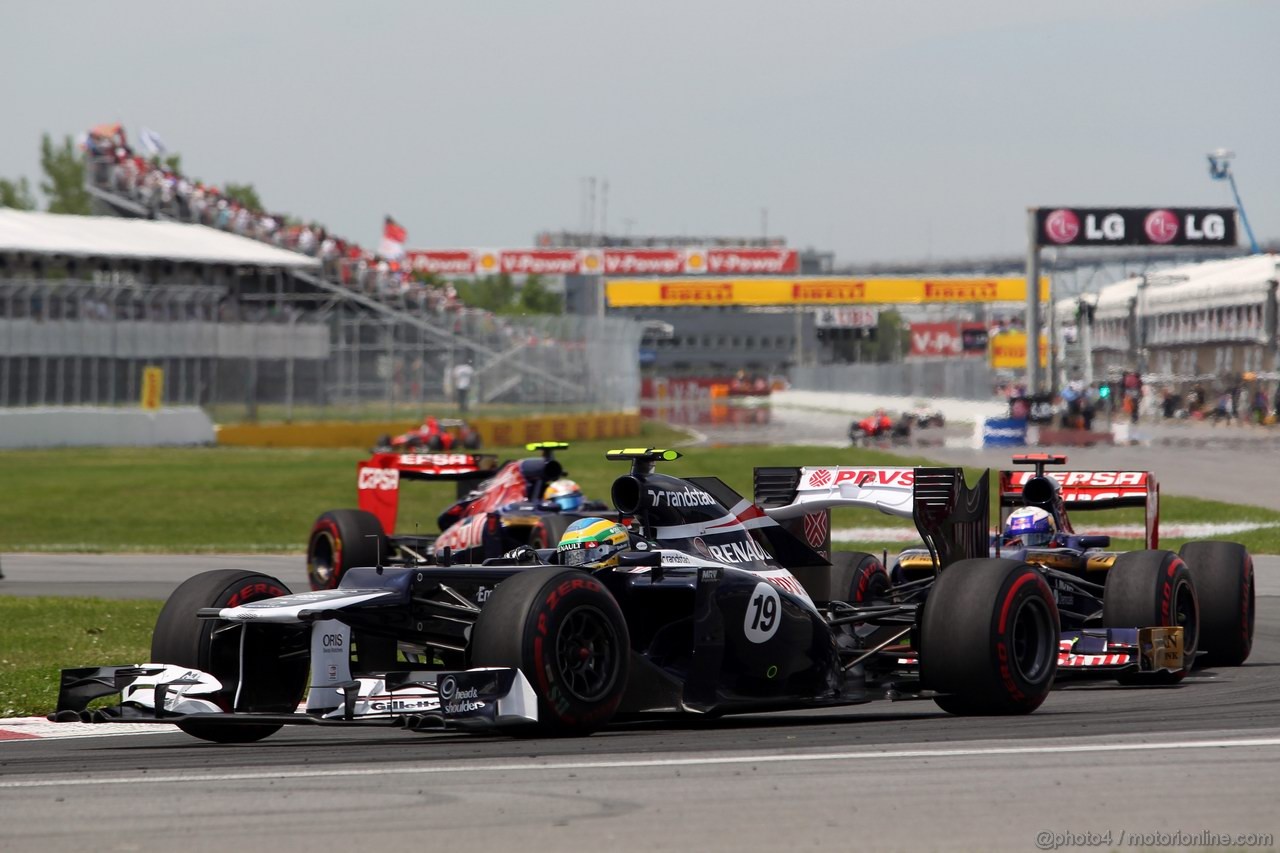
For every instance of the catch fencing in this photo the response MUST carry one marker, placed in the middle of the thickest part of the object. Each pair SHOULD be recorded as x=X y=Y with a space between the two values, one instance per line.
x=70 y=343
x=958 y=379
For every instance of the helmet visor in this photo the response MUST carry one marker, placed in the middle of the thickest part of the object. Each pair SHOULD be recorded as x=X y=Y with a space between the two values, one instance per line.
x=569 y=503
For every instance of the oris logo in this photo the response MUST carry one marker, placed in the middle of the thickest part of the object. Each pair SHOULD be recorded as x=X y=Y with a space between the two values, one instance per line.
x=820 y=478
x=1062 y=226
x=331 y=641
x=1161 y=226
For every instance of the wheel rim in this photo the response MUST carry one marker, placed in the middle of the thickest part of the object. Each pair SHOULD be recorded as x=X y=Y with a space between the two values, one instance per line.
x=1186 y=616
x=1033 y=647
x=321 y=564
x=587 y=654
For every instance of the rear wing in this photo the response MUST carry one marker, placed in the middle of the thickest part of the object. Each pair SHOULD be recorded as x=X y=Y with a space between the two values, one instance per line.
x=378 y=477
x=1091 y=490
x=952 y=518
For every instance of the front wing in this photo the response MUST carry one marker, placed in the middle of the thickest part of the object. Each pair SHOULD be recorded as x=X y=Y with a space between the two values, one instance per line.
x=162 y=693
x=1121 y=650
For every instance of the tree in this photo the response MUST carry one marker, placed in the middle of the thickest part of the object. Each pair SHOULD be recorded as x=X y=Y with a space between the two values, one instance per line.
x=244 y=195
x=64 y=177
x=535 y=298
x=16 y=194
x=494 y=293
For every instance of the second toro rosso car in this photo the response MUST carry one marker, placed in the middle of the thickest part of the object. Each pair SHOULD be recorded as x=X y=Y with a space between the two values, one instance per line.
x=1118 y=608
x=690 y=601
x=522 y=502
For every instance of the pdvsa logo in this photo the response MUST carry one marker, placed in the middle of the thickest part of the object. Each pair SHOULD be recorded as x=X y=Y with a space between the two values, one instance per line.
x=1062 y=226
x=820 y=478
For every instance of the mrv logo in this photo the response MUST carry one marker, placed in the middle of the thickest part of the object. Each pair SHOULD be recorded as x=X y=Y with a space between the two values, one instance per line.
x=688 y=496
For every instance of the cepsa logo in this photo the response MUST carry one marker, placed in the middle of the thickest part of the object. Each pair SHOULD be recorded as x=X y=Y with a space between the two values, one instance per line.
x=382 y=479
x=1088 y=479
x=438 y=459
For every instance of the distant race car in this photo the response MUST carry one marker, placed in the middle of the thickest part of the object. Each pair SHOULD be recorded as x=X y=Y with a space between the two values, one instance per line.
x=925 y=416
x=704 y=604
x=880 y=424
x=434 y=434
x=1138 y=615
x=498 y=508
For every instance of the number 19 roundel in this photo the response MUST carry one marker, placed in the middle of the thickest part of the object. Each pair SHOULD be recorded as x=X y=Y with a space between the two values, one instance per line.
x=764 y=612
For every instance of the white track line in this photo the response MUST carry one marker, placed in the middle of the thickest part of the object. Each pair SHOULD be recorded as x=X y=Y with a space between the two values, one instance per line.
x=329 y=773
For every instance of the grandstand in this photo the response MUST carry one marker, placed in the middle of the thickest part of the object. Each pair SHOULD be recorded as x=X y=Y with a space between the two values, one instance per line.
x=392 y=337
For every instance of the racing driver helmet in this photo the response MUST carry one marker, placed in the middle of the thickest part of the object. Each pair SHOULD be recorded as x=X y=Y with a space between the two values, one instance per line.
x=593 y=543
x=1034 y=526
x=565 y=494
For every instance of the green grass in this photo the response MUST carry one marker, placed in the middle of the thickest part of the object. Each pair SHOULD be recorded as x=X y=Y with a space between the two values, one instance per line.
x=235 y=500
x=42 y=635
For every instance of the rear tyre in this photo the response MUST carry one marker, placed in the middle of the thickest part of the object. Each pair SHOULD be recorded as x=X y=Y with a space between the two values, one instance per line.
x=566 y=633
x=1152 y=588
x=1223 y=577
x=862 y=577
x=273 y=679
x=341 y=539
x=989 y=638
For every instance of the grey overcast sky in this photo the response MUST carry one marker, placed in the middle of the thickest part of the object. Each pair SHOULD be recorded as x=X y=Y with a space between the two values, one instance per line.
x=885 y=130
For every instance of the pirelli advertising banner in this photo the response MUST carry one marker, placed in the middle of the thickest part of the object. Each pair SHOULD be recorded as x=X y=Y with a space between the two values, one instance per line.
x=1136 y=226
x=634 y=293
x=1009 y=349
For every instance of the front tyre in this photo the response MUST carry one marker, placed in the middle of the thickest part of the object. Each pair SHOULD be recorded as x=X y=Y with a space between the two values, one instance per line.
x=1153 y=589
x=1223 y=576
x=342 y=539
x=989 y=638
x=275 y=660
x=566 y=633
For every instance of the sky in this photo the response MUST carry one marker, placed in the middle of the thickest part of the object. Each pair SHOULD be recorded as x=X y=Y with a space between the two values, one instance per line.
x=884 y=131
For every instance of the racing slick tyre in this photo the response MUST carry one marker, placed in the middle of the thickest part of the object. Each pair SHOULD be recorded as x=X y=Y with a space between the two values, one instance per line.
x=1223 y=577
x=341 y=539
x=989 y=638
x=547 y=532
x=275 y=656
x=566 y=633
x=1152 y=588
x=861 y=577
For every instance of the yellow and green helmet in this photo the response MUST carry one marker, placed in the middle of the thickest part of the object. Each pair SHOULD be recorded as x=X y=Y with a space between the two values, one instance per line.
x=593 y=542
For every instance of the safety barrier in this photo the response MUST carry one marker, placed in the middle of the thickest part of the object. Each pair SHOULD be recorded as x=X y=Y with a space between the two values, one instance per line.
x=494 y=432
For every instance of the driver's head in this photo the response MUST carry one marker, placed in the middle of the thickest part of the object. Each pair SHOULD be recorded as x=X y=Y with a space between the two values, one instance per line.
x=565 y=494
x=594 y=543
x=1034 y=526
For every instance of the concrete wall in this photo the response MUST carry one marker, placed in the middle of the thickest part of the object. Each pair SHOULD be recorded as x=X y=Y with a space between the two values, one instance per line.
x=84 y=426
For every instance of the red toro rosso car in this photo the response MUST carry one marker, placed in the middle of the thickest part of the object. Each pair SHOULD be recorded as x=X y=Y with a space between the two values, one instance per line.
x=1145 y=615
x=434 y=434
x=499 y=507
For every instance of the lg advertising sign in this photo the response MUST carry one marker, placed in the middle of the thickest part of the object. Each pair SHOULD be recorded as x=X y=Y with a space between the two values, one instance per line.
x=1136 y=226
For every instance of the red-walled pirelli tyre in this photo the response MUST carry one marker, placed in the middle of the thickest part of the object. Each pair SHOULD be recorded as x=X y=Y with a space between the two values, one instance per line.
x=566 y=633
x=1223 y=576
x=867 y=578
x=989 y=638
x=275 y=655
x=342 y=539
x=1146 y=589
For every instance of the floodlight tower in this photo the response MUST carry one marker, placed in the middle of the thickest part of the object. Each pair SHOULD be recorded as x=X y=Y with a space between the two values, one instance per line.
x=1220 y=170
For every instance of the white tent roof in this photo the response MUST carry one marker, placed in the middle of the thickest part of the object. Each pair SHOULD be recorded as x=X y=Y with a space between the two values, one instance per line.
x=112 y=237
x=1210 y=284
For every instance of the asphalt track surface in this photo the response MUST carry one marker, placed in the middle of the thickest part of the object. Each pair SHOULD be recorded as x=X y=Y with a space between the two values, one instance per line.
x=1097 y=766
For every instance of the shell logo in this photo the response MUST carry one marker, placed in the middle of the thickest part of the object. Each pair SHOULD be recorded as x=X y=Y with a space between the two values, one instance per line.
x=591 y=262
x=488 y=262
x=696 y=262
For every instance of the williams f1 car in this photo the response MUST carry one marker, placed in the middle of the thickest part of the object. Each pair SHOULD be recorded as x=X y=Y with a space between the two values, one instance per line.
x=498 y=508
x=1118 y=609
x=713 y=607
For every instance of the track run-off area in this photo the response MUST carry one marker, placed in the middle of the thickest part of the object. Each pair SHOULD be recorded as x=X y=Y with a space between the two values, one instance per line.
x=1098 y=766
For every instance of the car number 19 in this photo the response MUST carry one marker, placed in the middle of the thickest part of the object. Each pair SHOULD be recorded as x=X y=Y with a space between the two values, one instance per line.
x=763 y=611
